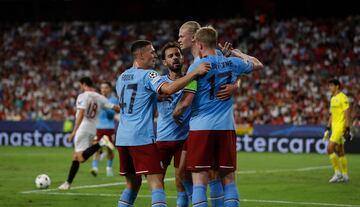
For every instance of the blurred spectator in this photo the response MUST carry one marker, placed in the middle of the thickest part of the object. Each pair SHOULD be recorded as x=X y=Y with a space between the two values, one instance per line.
x=40 y=63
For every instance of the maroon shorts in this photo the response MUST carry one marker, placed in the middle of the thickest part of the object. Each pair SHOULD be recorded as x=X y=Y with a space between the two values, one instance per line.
x=140 y=160
x=185 y=145
x=170 y=149
x=211 y=149
x=108 y=132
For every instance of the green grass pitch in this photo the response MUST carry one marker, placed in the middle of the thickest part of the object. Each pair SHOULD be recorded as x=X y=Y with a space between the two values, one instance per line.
x=263 y=179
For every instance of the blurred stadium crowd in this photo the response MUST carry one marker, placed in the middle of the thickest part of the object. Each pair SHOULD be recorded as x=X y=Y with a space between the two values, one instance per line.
x=40 y=64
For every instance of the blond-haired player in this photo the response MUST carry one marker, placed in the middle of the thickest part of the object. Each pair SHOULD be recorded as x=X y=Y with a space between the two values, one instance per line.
x=211 y=123
x=186 y=40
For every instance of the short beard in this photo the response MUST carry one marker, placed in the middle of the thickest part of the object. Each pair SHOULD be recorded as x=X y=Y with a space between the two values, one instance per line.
x=175 y=70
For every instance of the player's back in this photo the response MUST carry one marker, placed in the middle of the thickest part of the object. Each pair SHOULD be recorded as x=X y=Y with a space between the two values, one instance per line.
x=92 y=102
x=209 y=112
x=137 y=99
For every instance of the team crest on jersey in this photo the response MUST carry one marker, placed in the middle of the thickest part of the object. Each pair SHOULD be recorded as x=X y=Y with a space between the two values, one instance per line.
x=154 y=76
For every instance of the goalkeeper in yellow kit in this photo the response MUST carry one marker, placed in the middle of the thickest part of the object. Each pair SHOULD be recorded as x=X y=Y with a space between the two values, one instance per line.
x=339 y=123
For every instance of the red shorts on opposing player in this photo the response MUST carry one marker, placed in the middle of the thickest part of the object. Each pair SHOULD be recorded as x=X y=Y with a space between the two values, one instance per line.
x=140 y=160
x=170 y=149
x=108 y=132
x=210 y=149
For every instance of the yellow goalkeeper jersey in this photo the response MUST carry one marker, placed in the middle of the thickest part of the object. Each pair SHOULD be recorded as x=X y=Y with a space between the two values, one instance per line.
x=338 y=104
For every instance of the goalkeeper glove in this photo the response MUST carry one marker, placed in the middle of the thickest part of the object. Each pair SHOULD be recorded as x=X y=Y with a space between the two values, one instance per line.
x=347 y=134
x=326 y=133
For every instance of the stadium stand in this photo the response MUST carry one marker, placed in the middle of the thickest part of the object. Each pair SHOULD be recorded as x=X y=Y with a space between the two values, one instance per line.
x=40 y=63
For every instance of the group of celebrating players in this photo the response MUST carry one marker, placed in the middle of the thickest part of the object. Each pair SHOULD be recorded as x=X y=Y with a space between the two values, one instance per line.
x=195 y=120
x=195 y=123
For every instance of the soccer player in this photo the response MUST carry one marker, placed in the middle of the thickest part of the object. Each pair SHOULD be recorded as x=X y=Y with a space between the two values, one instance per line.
x=170 y=135
x=186 y=40
x=135 y=139
x=88 y=105
x=212 y=123
x=105 y=127
x=339 y=123
x=186 y=35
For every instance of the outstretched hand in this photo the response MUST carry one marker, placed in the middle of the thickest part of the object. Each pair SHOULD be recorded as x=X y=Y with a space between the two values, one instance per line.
x=226 y=49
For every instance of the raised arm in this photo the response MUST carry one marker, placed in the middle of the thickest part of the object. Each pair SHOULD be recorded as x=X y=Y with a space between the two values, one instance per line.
x=257 y=65
x=171 y=88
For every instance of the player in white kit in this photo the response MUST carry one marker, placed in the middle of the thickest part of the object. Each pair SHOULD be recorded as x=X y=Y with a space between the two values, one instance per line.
x=88 y=105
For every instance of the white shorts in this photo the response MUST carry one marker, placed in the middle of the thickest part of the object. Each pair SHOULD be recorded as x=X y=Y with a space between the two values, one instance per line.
x=83 y=140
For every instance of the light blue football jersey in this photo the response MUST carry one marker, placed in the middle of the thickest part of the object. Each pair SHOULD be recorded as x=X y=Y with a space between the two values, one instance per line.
x=106 y=117
x=209 y=112
x=136 y=89
x=167 y=129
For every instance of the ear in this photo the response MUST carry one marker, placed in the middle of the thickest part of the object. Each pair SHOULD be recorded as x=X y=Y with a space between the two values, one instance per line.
x=137 y=54
x=141 y=54
x=200 y=45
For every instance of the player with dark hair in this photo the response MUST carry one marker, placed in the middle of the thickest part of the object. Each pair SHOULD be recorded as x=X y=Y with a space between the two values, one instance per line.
x=135 y=139
x=339 y=124
x=88 y=105
x=170 y=135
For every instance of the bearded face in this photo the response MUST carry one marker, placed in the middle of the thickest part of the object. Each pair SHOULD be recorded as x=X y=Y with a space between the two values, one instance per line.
x=173 y=59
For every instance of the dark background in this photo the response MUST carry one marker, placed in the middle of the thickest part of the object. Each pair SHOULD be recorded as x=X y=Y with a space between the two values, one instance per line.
x=134 y=10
